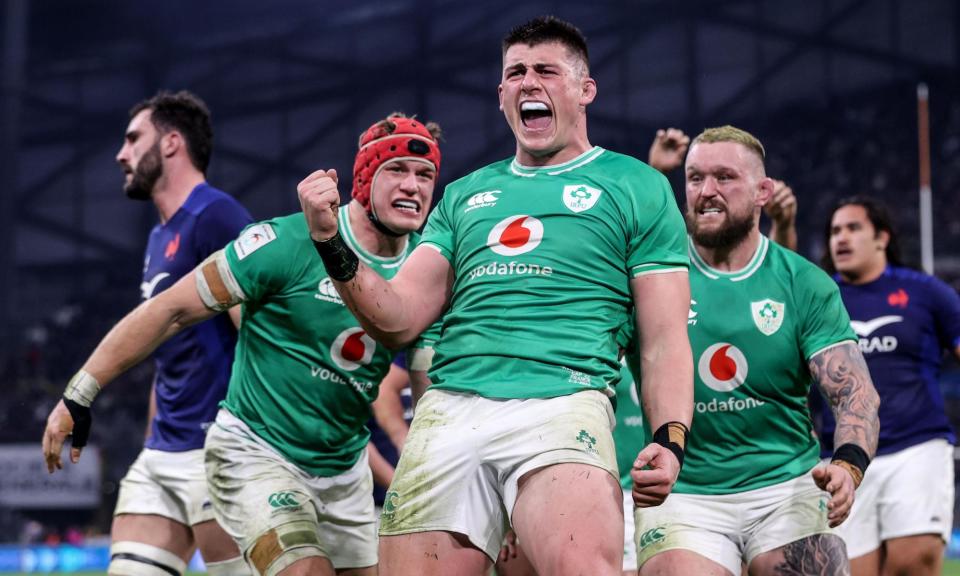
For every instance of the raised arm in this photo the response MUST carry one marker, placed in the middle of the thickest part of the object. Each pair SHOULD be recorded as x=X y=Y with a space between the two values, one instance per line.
x=662 y=304
x=395 y=312
x=782 y=210
x=842 y=375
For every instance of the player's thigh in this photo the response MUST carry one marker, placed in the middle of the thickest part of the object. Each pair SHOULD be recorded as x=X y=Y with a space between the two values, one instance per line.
x=920 y=555
x=214 y=543
x=310 y=566
x=432 y=553
x=690 y=534
x=868 y=564
x=583 y=506
x=682 y=563
x=153 y=530
x=817 y=555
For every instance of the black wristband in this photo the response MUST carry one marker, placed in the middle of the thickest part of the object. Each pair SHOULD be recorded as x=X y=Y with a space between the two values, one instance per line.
x=339 y=260
x=673 y=437
x=81 y=422
x=853 y=454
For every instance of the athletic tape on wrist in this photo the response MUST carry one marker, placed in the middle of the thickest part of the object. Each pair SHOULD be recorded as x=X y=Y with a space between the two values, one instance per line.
x=673 y=436
x=853 y=459
x=339 y=260
x=82 y=388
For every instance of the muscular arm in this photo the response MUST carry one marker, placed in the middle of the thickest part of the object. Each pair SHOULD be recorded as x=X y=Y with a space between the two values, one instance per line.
x=130 y=341
x=396 y=312
x=842 y=375
x=381 y=469
x=662 y=303
x=150 y=324
x=388 y=408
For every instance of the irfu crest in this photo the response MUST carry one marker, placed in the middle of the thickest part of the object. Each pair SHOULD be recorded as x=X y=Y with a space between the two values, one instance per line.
x=580 y=197
x=767 y=315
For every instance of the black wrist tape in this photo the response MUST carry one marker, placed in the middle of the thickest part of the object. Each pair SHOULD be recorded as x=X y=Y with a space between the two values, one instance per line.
x=81 y=422
x=339 y=260
x=855 y=458
x=673 y=436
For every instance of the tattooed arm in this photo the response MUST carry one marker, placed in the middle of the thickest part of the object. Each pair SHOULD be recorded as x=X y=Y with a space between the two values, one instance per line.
x=845 y=381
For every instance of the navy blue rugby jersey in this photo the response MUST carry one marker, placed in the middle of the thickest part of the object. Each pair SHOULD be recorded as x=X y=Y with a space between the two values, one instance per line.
x=193 y=367
x=905 y=321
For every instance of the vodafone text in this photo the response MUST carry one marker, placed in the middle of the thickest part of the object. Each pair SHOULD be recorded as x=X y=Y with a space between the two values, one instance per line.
x=510 y=269
x=330 y=376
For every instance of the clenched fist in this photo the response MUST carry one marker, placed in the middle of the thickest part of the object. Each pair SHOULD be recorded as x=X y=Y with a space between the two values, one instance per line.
x=320 y=201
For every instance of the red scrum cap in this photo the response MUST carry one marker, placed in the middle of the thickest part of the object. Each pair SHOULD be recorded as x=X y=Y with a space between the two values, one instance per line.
x=396 y=138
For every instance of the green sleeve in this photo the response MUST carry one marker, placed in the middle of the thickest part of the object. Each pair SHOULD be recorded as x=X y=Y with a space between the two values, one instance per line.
x=260 y=258
x=658 y=236
x=825 y=320
x=439 y=230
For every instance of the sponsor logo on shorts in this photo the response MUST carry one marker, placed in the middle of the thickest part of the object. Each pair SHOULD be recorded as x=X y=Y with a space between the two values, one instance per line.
x=283 y=500
x=352 y=349
x=390 y=504
x=652 y=536
x=589 y=442
x=580 y=197
x=767 y=315
x=482 y=200
x=327 y=292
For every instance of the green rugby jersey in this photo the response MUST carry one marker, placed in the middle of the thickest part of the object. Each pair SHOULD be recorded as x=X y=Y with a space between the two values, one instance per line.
x=305 y=372
x=753 y=332
x=542 y=260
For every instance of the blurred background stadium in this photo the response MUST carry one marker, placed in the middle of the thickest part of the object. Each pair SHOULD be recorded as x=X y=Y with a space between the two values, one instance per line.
x=829 y=86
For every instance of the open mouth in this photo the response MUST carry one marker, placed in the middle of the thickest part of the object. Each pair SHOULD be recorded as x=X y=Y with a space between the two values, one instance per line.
x=842 y=252
x=407 y=206
x=710 y=210
x=535 y=115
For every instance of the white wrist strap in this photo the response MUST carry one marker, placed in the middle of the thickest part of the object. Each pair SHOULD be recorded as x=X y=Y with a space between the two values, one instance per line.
x=82 y=388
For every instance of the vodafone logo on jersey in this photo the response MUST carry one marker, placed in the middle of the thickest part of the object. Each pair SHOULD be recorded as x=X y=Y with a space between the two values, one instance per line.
x=515 y=235
x=722 y=367
x=352 y=349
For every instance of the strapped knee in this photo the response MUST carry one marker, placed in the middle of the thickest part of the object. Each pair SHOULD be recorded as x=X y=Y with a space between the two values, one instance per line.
x=232 y=567
x=139 y=559
x=291 y=541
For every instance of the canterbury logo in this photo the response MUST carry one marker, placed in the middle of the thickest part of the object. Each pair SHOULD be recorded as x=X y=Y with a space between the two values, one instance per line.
x=283 y=500
x=482 y=200
x=652 y=536
x=870 y=326
x=327 y=291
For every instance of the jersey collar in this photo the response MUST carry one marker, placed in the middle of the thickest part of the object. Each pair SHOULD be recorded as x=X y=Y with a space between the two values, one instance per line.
x=737 y=275
x=384 y=261
x=587 y=157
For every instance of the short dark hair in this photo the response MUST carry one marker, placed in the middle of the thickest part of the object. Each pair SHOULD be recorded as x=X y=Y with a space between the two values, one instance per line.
x=186 y=113
x=545 y=29
x=879 y=217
